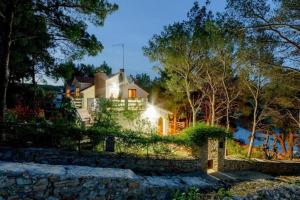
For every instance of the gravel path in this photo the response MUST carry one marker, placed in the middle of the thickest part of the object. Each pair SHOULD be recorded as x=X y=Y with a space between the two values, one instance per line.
x=250 y=185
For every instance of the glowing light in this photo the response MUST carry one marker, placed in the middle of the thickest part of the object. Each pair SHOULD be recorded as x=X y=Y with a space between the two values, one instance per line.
x=151 y=114
x=114 y=90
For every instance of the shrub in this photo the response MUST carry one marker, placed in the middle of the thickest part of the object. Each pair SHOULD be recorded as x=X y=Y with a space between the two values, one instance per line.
x=195 y=136
x=61 y=134
x=41 y=133
x=68 y=110
x=196 y=194
x=10 y=116
x=239 y=150
x=191 y=194
x=223 y=193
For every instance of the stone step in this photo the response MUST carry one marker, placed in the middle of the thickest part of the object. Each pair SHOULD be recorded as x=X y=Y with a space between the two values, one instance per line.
x=221 y=176
x=85 y=116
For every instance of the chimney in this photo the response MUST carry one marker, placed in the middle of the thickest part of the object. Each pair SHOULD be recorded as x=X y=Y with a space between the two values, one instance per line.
x=100 y=84
x=122 y=70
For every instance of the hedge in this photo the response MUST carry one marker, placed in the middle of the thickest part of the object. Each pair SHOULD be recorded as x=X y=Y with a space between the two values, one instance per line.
x=54 y=134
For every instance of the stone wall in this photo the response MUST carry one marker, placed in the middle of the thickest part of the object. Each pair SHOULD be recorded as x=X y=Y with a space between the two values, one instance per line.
x=111 y=160
x=270 y=167
x=53 y=182
x=212 y=151
x=216 y=152
x=216 y=156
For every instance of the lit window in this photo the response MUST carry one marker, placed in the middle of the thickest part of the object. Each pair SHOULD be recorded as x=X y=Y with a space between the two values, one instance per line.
x=131 y=93
x=68 y=92
x=77 y=92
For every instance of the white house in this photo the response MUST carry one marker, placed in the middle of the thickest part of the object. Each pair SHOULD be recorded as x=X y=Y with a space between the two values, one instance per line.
x=84 y=91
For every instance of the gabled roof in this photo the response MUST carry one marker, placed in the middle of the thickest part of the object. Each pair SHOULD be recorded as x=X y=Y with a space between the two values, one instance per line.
x=141 y=89
x=88 y=86
x=84 y=79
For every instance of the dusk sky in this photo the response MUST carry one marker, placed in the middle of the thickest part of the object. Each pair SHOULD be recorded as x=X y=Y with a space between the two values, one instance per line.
x=134 y=24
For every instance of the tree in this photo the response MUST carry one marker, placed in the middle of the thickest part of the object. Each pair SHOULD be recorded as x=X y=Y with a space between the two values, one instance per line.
x=181 y=50
x=208 y=82
x=256 y=77
x=285 y=110
x=143 y=80
x=274 y=25
x=278 y=20
x=65 y=71
x=69 y=70
x=30 y=57
x=224 y=52
x=67 y=25
x=104 y=67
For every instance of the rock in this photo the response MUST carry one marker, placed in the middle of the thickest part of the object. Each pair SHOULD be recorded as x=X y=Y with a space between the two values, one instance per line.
x=6 y=182
x=52 y=198
x=41 y=181
x=23 y=181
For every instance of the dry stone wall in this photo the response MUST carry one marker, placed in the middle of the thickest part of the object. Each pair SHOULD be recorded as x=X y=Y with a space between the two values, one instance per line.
x=270 y=167
x=110 y=160
x=42 y=181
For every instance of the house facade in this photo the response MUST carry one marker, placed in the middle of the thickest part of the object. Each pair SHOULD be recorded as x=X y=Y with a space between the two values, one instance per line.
x=127 y=95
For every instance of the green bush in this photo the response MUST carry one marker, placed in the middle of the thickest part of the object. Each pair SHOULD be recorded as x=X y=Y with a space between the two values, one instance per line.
x=224 y=193
x=129 y=140
x=68 y=110
x=42 y=133
x=191 y=194
x=196 y=194
x=196 y=136
x=61 y=134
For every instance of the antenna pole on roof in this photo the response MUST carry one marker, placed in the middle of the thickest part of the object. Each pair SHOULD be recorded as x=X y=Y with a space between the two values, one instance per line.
x=123 y=47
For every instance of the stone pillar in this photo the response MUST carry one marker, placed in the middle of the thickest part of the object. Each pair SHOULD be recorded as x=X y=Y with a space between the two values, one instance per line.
x=203 y=156
x=216 y=154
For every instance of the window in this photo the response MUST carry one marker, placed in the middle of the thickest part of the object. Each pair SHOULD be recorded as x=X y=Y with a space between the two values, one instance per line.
x=131 y=93
x=68 y=92
x=77 y=92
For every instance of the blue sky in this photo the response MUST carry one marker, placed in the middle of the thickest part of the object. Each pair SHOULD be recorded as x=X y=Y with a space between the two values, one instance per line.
x=134 y=24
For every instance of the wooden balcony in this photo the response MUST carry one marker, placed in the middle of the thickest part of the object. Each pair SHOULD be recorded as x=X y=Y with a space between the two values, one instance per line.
x=129 y=104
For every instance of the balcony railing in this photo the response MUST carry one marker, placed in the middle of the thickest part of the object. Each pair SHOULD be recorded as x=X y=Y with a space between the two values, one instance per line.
x=129 y=104
x=122 y=104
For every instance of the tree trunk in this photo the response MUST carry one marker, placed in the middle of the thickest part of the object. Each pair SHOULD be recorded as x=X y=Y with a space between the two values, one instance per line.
x=188 y=94
x=213 y=110
x=227 y=116
x=4 y=60
x=227 y=97
x=266 y=146
x=194 y=117
x=252 y=136
x=207 y=114
x=282 y=144
x=290 y=146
